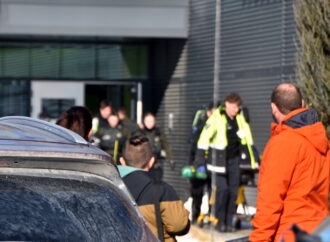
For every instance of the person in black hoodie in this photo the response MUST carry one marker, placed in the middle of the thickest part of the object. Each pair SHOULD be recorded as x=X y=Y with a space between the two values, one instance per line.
x=161 y=207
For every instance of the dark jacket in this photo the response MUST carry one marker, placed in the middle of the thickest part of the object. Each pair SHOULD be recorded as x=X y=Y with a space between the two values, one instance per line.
x=109 y=136
x=158 y=141
x=173 y=214
x=130 y=125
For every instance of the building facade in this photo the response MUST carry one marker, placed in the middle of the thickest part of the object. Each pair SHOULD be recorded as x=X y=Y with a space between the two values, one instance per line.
x=257 y=51
x=59 y=53
x=156 y=53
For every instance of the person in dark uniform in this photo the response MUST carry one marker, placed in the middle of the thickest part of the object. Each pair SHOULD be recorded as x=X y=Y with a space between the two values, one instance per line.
x=160 y=147
x=101 y=119
x=125 y=121
x=111 y=139
x=197 y=185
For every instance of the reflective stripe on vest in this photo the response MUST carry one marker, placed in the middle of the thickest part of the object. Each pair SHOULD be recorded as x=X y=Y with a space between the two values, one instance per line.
x=95 y=125
x=246 y=139
x=197 y=115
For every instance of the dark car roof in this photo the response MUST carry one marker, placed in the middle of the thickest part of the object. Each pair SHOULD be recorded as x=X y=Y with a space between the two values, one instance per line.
x=28 y=136
x=31 y=143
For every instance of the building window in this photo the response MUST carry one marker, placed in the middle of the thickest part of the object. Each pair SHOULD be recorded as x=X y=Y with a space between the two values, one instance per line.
x=73 y=61
x=14 y=97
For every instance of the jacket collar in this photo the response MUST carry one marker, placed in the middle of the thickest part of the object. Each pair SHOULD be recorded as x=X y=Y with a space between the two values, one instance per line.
x=278 y=127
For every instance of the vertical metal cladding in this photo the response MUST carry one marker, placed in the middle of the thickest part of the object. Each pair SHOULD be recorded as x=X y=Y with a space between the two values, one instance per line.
x=257 y=51
x=183 y=83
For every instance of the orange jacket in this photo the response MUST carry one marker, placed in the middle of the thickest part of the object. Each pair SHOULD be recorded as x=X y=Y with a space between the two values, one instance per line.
x=293 y=181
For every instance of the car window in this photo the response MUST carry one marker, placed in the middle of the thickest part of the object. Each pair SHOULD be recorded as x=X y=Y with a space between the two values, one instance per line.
x=48 y=209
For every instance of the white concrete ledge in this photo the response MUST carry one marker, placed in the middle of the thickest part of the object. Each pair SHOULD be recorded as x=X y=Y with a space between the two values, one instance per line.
x=158 y=19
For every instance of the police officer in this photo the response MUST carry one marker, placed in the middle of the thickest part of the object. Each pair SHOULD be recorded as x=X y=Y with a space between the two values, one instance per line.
x=111 y=139
x=197 y=185
x=160 y=147
x=125 y=121
x=225 y=131
x=101 y=119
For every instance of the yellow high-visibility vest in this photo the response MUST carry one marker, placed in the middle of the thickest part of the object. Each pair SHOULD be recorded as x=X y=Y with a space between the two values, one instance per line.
x=214 y=133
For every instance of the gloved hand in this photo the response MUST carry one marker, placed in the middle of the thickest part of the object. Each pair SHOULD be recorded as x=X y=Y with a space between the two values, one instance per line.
x=172 y=165
x=201 y=169
x=201 y=172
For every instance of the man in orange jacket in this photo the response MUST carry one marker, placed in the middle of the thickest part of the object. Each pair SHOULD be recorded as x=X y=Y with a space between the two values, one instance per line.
x=294 y=174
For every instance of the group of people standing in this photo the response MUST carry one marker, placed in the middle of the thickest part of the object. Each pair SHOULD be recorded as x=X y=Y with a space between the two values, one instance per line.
x=294 y=173
x=293 y=184
x=138 y=154
x=112 y=128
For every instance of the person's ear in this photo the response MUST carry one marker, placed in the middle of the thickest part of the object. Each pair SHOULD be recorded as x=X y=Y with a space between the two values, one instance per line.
x=277 y=115
x=151 y=163
x=274 y=108
x=122 y=161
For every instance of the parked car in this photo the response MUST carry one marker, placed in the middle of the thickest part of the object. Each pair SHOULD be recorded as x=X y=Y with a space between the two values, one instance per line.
x=55 y=186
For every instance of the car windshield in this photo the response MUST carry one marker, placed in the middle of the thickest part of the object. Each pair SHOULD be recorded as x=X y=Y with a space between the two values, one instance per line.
x=48 y=209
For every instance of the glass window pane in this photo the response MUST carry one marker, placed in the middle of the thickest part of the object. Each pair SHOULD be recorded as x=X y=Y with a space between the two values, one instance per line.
x=131 y=58
x=16 y=62
x=1 y=61
x=122 y=62
x=143 y=62
x=53 y=108
x=78 y=62
x=45 y=62
x=14 y=97
x=73 y=61
x=103 y=67
x=110 y=62
x=136 y=61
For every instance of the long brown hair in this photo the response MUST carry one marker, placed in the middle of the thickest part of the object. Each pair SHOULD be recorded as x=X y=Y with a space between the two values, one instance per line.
x=77 y=119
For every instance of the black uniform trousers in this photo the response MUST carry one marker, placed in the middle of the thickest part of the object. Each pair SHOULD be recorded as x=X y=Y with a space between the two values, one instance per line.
x=226 y=194
x=197 y=187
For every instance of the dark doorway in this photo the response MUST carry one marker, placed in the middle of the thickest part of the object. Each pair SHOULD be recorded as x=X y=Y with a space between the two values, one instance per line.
x=118 y=95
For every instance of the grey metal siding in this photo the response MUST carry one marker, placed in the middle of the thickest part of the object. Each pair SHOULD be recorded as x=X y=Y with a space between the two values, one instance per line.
x=180 y=90
x=256 y=52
